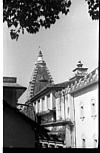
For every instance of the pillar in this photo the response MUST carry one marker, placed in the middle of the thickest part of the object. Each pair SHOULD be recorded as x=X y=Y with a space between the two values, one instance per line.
x=62 y=107
x=46 y=103
x=40 y=105
x=51 y=98
x=58 y=106
x=66 y=105
x=36 y=106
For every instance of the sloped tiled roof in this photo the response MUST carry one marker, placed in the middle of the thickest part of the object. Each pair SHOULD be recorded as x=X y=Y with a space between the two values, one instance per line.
x=84 y=82
x=77 y=84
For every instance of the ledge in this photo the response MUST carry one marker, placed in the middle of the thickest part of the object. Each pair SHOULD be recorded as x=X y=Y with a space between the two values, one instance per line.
x=56 y=123
x=46 y=112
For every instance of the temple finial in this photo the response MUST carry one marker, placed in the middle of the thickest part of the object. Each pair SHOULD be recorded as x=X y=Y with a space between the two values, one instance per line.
x=40 y=56
x=79 y=64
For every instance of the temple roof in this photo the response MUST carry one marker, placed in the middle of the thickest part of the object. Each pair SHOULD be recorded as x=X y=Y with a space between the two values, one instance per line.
x=41 y=76
x=84 y=82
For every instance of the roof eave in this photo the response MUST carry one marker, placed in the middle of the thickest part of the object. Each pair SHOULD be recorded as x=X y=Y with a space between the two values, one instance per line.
x=46 y=90
x=79 y=69
x=82 y=87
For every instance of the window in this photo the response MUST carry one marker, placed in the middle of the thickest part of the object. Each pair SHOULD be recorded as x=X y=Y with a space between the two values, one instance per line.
x=83 y=143
x=82 y=111
x=95 y=141
x=93 y=108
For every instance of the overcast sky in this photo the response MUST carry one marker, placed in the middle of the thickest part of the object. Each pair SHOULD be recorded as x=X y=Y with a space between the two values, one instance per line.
x=72 y=38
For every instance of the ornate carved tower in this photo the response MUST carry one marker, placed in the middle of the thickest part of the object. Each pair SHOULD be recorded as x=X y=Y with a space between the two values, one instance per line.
x=40 y=78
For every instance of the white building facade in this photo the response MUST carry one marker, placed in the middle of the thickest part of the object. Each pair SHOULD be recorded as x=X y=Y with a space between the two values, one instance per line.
x=86 y=112
x=81 y=108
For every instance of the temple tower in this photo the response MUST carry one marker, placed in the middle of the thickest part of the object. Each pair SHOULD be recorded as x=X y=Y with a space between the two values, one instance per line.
x=40 y=77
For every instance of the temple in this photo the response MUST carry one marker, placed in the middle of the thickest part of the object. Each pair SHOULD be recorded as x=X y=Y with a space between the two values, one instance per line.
x=68 y=110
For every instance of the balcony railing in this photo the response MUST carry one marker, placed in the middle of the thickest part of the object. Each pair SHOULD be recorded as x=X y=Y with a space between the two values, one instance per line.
x=46 y=112
x=59 y=122
x=51 y=144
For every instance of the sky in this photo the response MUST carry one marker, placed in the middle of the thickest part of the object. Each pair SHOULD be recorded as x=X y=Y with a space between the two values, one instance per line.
x=72 y=38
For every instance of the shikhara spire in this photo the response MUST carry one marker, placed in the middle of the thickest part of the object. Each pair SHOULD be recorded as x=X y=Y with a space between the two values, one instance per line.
x=40 y=77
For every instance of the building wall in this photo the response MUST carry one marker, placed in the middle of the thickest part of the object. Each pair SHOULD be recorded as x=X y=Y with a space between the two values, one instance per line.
x=44 y=103
x=86 y=126
x=9 y=95
x=84 y=132
x=68 y=138
x=16 y=131
x=65 y=112
x=64 y=107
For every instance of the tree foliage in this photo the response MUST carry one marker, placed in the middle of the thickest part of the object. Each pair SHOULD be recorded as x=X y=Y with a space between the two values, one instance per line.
x=93 y=8
x=30 y=15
